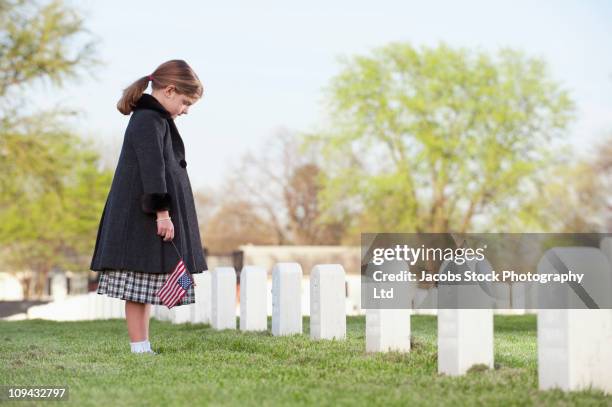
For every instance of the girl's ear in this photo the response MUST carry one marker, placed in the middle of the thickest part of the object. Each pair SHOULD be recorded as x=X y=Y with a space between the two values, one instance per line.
x=169 y=90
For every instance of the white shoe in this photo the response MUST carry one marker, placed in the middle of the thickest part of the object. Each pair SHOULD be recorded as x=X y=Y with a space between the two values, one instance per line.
x=147 y=351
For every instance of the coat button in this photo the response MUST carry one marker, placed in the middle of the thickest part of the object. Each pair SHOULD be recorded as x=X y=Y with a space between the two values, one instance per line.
x=183 y=163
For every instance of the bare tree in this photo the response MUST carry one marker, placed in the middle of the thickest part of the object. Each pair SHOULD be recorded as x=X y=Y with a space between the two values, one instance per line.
x=304 y=212
x=234 y=224
x=281 y=183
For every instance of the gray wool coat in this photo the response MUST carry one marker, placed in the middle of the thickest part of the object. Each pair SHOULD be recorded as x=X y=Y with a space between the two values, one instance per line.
x=151 y=175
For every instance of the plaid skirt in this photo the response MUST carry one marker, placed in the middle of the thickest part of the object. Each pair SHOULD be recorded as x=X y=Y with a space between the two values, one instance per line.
x=137 y=286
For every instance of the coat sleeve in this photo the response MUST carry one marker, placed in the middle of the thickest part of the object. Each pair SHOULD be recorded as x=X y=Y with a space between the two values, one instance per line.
x=147 y=138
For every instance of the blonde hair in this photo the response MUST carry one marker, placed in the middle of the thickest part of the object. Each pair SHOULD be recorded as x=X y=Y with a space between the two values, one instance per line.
x=174 y=72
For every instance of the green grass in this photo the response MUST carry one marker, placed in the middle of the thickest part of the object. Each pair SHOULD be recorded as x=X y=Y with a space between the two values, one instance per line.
x=197 y=365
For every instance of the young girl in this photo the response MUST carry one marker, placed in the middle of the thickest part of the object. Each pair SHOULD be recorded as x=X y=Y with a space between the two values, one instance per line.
x=150 y=206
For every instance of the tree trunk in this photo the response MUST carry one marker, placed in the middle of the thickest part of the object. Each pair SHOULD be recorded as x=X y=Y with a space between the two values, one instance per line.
x=26 y=284
x=41 y=281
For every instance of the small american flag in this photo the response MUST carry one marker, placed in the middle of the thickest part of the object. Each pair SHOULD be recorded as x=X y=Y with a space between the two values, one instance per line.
x=176 y=285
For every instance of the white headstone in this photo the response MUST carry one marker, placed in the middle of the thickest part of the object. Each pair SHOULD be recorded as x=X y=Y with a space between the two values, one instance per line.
x=286 y=299
x=327 y=302
x=253 y=299
x=155 y=312
x=575 y=345
x=354 y=295
x=465 y=339
x=163 y=313
x=523 y=295
x=107 y=307
x=99 y=304
x=203 y=295
x=183 y=313
x=465 y=336
x=223 y=311
x=117 y=308
x=10 y=288
x=596 y=284
x=59 y=286
x=575 y=349
x=388 y=330
x=91 y=305
x=505 y=297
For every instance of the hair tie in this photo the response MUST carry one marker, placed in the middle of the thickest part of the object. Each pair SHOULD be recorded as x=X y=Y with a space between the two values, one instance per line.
x=151 y=78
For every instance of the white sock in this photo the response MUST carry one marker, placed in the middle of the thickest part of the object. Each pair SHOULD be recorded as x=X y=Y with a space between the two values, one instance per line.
x=139 y=347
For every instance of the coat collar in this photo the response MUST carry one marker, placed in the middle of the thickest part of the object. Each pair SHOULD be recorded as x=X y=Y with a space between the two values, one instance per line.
x=147 y=101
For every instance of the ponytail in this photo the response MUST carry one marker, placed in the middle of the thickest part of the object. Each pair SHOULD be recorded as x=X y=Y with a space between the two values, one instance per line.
x=131 y=94
x=174 y=72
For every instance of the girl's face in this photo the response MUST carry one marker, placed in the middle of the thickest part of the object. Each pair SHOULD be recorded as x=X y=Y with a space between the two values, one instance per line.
x=175 y=103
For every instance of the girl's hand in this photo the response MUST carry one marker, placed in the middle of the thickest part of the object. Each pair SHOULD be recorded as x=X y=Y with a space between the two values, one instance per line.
x=165 y=228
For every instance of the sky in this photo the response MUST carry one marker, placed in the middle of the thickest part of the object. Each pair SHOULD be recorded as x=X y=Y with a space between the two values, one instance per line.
x=265 y=64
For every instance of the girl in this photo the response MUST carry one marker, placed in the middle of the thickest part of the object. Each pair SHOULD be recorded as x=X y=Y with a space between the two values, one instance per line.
x=149 y=213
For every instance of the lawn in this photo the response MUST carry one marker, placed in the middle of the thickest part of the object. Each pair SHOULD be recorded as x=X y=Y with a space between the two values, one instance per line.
x=197 y=365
